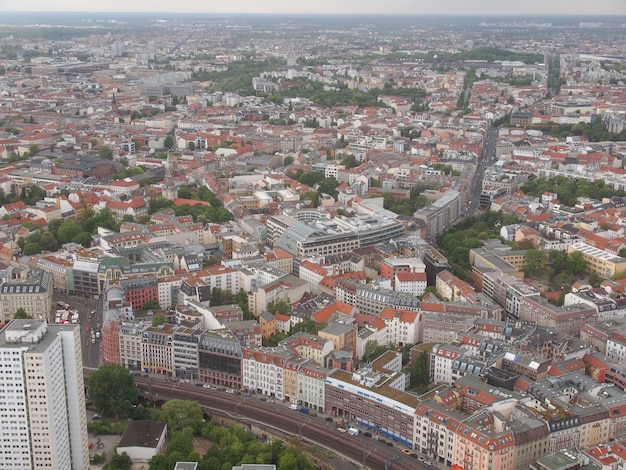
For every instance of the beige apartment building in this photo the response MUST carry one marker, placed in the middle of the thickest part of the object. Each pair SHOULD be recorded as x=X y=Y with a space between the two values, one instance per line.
x=32 y=292
x=600 y=262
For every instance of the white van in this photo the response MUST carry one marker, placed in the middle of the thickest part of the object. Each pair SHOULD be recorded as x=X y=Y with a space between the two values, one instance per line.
x=293 y=406
x=353 y=431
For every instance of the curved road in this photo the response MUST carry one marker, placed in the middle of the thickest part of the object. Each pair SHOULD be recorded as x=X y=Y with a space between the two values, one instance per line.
x=313 y=429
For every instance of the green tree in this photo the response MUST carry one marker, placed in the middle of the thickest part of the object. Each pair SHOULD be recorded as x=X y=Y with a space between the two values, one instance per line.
x=312 y=196
x=31 y=249
x=112 y=390
x=181 y=414
x=159 y=462
x=216 y=297
x=68 y=231
x=20 y=314
x=33 y=149
x=350 y=161
x=119 y=462
x=431 y=290
x=104 y=218
x=595 y=280
x=281 y=305
x=535 y=262
x=372 y=350
x=420 y=372
x=83 y=238
x=241 y=299
x=180 y=441
x=48 y=242
x=288 y=161
x=288 y=462
x=576 y=262
x=168 y=143
x=105 y=152
x=32 y=194
x=310 y=178
x=152 y=305
x=159 y=319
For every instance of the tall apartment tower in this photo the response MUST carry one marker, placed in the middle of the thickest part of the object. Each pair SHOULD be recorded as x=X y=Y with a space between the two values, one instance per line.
x=42 y=409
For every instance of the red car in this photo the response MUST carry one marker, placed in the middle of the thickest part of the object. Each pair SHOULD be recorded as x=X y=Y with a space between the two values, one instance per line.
x=87 y=329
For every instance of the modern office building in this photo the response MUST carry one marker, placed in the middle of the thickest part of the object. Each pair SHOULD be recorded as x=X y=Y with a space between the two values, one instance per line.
x=440 y=215
x=332 y=236
x=44 y=424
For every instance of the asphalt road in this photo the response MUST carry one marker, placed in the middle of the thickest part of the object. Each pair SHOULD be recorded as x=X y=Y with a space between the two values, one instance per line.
x=91 y=351
x=360 y=449
x=487 y=158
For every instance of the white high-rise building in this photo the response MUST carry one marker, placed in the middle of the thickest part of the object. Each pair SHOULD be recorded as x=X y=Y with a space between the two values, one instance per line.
x=42 y=404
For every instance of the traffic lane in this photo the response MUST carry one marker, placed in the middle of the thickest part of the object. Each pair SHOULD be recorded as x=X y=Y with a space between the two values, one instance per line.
x=91 y=351
x=82 y=305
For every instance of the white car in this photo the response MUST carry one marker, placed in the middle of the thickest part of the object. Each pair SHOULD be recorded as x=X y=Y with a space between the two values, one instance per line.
x=206 y=386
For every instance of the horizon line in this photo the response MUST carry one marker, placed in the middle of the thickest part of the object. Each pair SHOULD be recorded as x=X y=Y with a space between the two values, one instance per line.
x=473 y=15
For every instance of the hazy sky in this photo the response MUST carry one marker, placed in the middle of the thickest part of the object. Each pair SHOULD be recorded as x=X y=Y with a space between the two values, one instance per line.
x=459 y=7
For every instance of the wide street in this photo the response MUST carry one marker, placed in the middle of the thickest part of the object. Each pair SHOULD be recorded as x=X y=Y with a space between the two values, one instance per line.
x=91 y=351
x=487 y=158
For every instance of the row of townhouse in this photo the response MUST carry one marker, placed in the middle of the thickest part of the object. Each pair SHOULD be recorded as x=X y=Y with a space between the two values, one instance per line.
x=471 y=423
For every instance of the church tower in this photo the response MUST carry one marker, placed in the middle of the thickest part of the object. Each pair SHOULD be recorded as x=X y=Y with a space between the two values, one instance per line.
x=169 y=191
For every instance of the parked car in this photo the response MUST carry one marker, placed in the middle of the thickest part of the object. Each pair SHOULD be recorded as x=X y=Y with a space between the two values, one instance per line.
x=96 y=417
x=429 y=463
x=389 y=444
x=263 y=399
x=367 y=434
x=230 y=390
x=329 y=419
x=413 y=456
x=406 y=452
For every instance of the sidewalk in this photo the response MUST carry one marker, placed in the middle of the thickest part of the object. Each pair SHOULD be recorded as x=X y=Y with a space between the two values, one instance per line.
x=108 y=445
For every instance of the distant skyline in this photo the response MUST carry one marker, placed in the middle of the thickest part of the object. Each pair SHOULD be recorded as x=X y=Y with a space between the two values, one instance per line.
x=412 y=7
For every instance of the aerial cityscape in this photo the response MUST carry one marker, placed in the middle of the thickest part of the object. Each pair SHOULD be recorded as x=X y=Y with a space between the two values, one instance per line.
x=294 y=237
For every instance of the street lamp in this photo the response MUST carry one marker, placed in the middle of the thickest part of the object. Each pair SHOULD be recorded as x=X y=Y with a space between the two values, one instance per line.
x=301 y=423
x=150 y=388
x=237 y=405
x=390 y=461
x=367 y=454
